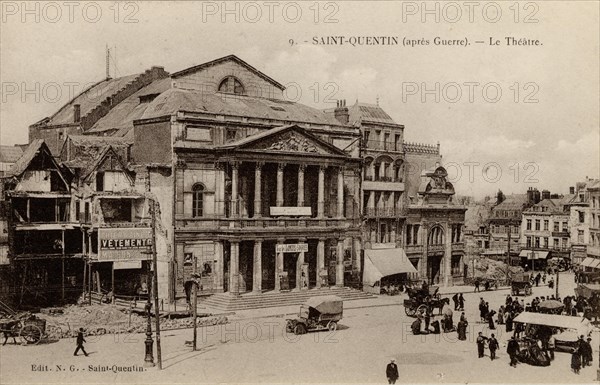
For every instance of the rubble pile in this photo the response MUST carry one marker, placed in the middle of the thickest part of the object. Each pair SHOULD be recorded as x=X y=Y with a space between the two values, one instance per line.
x=489 y=269
x=108 y=319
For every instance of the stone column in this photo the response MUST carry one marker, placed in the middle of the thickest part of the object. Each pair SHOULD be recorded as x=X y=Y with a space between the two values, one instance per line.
x=279 y=201
x=357 y=249
x=218 y=266
x=340 y=193
x=278 y=266
x=371 y=202
x=258 y=190
x=219 y=190
x=339 y=273
x=234 y=268
x=301 y=170
x=321 y=193
x=257 y=268
x=393 y=226
x=234 y=189
x=320 y=260
x=448 y=259
x=299 y=264
x=372 y=166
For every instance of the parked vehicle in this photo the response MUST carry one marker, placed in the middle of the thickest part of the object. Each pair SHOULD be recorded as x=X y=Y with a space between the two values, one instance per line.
x=521 y=284
x=25 y=326
x=317 y=313
x=420 y=299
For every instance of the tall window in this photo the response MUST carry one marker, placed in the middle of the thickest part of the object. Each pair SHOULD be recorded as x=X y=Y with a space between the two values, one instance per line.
x=529 y=224
x=528 y=241
x=198 y=200
x=546 y=223
x=537 y=224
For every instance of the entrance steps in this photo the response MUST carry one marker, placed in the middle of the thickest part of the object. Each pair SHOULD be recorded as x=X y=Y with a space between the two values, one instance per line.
x=247 y=301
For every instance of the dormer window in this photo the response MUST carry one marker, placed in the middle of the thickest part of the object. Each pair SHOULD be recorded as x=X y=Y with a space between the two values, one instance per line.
x=231 y=85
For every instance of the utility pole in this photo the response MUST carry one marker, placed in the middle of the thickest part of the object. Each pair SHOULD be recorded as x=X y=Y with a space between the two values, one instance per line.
x=195 y=301
x=508 y=254
x=155 y=283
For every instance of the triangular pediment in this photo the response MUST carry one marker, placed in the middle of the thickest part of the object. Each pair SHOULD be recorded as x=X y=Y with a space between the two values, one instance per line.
x=287 y=139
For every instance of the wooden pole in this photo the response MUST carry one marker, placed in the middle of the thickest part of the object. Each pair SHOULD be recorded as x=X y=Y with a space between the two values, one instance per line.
x=557 y=281
x=63 y=266
x=112 y=279
x=155 y=284
x=195 y=303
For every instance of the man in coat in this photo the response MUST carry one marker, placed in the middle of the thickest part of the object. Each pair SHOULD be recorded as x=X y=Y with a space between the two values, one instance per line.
x=481 y=344
x=461 y=302
x=391 y=372
x=512 y=349
x=80 y=341
x=455 y=300
x=493 y=345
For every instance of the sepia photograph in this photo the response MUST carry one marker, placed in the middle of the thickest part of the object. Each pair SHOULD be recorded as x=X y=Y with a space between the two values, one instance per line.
x=314 y=192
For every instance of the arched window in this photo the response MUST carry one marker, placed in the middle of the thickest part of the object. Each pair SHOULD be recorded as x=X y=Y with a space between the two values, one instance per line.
x=197 y=200
x=231 y=85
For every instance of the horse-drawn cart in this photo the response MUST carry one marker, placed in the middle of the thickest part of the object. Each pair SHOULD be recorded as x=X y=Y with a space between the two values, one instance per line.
x=23 y=325
x=420 y=299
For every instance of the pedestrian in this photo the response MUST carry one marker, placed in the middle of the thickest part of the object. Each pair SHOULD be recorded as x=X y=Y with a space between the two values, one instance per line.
x=482 y=310
x=551 y=346
x=490 y=319
x=509 y=321
x=589 y=352
x=455 y=300
x=461 y=301
x=416 y=326
x=481 y=344
x=513 y=349
x=585 y=350
x=461 y=329
x=80 y=341
x=427 y=318
x=544 y=279
x=501 y=315
x=476 y=286
x=391 y=372
x=576 y=361
x=493 y=346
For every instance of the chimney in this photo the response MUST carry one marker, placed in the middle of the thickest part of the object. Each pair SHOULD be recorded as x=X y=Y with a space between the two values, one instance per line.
x=536 y=196
x=530 y=195
x=545 y=194
x=341 y=112
x=572 y=190
x=76 y=113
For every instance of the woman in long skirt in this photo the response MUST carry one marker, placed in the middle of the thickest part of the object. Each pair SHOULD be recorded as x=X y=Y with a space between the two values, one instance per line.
x=576 y=361
x=509 y=322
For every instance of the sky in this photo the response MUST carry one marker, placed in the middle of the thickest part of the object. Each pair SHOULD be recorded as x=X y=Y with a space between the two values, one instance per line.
x=507 y=117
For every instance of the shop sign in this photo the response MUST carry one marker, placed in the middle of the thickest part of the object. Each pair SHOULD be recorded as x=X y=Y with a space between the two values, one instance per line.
x=124 y=244
x=291 y=248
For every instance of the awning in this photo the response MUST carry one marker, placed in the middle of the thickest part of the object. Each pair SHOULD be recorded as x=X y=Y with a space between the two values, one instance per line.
x=384 y=262
x=589 y=262
x=533 y=254
x=582 y=325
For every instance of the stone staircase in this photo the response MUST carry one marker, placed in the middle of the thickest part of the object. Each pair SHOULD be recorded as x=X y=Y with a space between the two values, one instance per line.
x=246 y=301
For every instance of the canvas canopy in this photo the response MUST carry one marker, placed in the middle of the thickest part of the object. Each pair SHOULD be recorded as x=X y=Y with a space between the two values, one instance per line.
x=590 y=262
x=587 y=289
x=580 y=324
x=326 y=304
x=533 y=254
x=381 y=263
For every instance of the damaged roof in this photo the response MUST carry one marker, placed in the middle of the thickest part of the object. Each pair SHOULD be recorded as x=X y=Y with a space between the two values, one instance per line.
x=175 y=99
x=10 y=154
x=89 y=99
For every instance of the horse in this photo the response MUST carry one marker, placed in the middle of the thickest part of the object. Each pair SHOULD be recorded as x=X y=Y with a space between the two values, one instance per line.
x=439 y=304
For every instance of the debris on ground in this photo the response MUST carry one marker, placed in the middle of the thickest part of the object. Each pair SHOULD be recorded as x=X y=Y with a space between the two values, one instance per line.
x=490 y=269
x=109 y=319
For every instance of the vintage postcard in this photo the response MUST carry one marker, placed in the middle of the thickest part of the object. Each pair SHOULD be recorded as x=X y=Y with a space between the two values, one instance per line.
x=299 y=192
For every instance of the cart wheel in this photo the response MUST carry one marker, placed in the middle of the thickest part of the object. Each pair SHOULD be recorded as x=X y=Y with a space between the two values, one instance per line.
x=422 y=309
x=299 y=329
x=410 y=311
x=31 y=334
x=332 y=326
